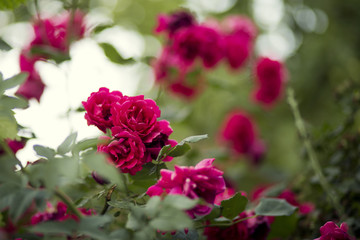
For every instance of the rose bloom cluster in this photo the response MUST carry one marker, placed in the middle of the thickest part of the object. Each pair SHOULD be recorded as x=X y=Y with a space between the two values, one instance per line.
x=52 y=38
x=137 y=135
x=191 y=46
x=203 y=181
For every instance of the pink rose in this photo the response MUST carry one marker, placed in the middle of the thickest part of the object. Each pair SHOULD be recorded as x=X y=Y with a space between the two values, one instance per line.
x=239 y=132
x=126 y=150
x=330 y=231
x=270 y=78
x=98 y=108
x=199 y=41
x=139 y=115
x=202 y=181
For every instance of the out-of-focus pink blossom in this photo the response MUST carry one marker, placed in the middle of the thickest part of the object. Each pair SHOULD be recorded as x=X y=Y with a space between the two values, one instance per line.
x=330 y=231
x=239 y=34
x=239 y=132
x=98 y=107
x=202 y=181
x=198 y=41
x=15 y=145
x=126 y=150
x=270 y=78
x=59 y=213
x=173 y=22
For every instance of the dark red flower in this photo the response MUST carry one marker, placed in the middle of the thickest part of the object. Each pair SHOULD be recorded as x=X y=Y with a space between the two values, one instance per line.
x=126 y=150
x=98 y=108
x=139 y=115
x=270 y=78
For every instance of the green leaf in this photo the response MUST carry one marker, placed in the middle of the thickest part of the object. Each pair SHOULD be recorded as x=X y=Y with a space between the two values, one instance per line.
x=10 y=4
x=122 y=234
x=67 y=144
x=13 y=81
x=121 y=204
x=50 y=53
x=233 y=206
x=194 y=139
x=97 y=162
x=113 y=55
x=163 y=152
x=90 y=226
x=179 y=150
x=102 y=27
x=13 y=102
x=21 y=201
x=170 y=219
x=190 y=235
x=4 y=45
x=44 y=151
x=8 y=125
x=179 y=202
x=274 y=207
x=53 y=227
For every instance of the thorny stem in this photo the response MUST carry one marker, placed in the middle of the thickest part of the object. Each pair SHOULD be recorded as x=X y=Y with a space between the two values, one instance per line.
x=227 y=224
x=108 y=199
x=299 y=122
x=66 y=199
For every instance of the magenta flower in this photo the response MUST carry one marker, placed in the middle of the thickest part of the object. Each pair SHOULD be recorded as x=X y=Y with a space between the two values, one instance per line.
x=239 y=132
x=330 y=231
x=33 y=86
x=139 y=115
x=239 y=36
x=199 y=41
x=270 y=77
x=15 y=145
x=98 y=107
x=202 y=181
x=173 y=22
x=126 y=150
x=58 y=32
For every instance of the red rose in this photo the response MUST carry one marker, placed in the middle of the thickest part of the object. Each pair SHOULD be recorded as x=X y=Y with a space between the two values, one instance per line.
x=98 y=107
x=126 y=150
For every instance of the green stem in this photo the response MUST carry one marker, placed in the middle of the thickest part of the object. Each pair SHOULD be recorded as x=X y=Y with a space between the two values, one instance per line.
x=66 y=199
x=123 y=178
x=227 y=224
x=332 y=196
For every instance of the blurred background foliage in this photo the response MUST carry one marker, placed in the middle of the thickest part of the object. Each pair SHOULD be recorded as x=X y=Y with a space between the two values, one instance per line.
x=318 y=40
